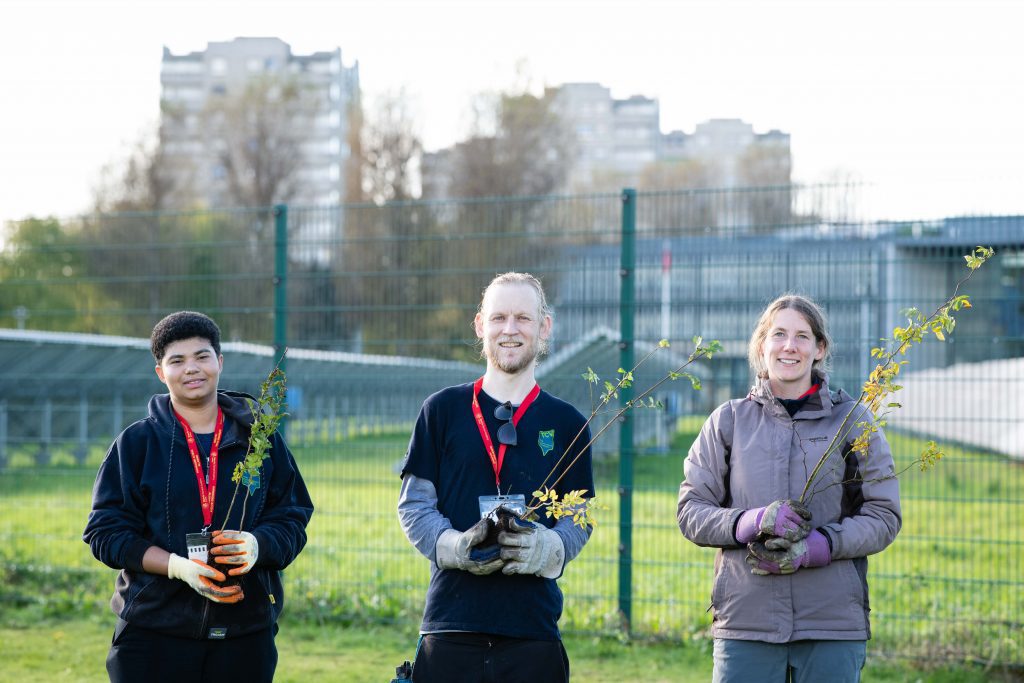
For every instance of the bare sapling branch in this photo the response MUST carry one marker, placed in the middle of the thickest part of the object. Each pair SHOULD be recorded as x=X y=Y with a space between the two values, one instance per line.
x=881 y=383
x=574 y=503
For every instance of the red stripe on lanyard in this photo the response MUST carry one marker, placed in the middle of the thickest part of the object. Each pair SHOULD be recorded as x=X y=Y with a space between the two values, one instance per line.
x=207 y=491
x=497 y=459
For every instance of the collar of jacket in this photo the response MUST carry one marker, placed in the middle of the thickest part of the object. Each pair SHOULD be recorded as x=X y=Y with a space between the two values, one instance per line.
x=235 y=405
x=817 y=405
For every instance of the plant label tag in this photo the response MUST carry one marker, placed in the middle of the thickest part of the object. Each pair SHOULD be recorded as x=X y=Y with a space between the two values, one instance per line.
x=198 y=546
x=515 y=502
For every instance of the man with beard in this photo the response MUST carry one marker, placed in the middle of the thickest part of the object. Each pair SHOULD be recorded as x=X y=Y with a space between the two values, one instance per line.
x=492 y=613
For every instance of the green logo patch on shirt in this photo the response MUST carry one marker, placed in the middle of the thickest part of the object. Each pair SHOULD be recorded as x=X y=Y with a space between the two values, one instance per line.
x=546 y=441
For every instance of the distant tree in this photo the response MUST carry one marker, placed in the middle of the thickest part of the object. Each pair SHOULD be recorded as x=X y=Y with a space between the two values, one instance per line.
x=354 y=164
x=606 y=179
x=751 y=195
x=676 y=174
x=391 y=150
x=765 y=172
x=126 y=202
x=520 y=147
x=765 y=164
x=41 y=267
x=393 y=249
x=257 y=136
x=691 y=205
x=837 y=197
x=142 y=181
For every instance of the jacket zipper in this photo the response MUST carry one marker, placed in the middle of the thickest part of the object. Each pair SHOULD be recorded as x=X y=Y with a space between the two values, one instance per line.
x=204 y=625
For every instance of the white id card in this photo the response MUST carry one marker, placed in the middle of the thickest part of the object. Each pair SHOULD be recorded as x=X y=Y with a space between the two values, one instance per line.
x=198 y=546
x=515 y=502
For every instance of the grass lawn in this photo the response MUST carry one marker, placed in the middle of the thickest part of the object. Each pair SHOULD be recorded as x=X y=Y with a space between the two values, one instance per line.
x=75 y=649
x=948 y=590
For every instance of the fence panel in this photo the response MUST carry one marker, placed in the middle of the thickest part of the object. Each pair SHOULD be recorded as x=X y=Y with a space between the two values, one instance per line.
x=379 y=305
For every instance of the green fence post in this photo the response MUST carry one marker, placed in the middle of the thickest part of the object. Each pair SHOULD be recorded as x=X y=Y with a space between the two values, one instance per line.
x=626 y=352
x=280 y=288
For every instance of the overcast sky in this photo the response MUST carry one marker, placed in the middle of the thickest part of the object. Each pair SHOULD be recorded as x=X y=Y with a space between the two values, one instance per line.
x=923 y=99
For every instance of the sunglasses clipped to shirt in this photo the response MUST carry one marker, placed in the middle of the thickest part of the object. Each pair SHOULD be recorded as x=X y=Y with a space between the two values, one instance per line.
x=507 y=431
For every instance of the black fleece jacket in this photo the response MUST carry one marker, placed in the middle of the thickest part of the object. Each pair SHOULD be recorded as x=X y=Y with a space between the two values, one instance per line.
x=146 y=494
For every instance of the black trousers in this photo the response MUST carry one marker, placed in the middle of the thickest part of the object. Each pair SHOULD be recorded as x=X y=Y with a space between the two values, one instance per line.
x=483 y=658
x=137 y=654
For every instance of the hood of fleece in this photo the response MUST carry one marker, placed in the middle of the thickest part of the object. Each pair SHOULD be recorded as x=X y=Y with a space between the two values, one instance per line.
x=235 y=405
x=823 y=402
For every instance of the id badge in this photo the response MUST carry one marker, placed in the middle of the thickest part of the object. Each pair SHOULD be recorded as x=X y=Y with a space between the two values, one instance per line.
x=198 y=546
x=515 y=502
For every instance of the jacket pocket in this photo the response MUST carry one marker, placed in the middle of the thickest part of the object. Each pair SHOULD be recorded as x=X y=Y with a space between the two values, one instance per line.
x=829 y=599
x=745 y=602
x=717 y=586
x=119 y=628
x=263 y=581
x=139 y=586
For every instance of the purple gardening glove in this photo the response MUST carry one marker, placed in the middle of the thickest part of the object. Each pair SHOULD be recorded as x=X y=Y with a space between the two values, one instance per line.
x=779 y=556
x=786 y=519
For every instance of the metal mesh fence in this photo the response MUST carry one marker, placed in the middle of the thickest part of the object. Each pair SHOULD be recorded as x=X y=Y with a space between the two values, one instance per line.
x=375 y=304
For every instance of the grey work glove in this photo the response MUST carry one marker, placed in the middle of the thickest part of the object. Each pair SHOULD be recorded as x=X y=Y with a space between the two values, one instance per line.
x=197 y=575
x=786 y=519
x=779 y=556
x=454 y=550
x=529 y=548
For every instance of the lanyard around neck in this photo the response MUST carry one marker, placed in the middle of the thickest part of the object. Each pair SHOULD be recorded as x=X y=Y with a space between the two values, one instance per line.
x=498 y=458
x=207 y=487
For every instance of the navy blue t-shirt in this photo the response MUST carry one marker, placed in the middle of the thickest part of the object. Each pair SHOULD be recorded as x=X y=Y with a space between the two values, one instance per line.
x=446 y=448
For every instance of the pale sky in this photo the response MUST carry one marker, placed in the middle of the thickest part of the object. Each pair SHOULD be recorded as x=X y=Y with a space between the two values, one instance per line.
x=922 y=99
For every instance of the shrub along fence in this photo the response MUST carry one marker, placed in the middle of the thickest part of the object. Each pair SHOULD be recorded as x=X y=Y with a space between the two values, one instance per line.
x=374 y=304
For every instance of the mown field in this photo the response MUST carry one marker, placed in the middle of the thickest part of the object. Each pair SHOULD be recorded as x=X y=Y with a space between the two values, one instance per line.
x=948 y=591
x=74 y=650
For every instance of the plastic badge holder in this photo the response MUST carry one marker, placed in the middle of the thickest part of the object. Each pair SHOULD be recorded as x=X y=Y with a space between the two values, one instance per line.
x=198 y=547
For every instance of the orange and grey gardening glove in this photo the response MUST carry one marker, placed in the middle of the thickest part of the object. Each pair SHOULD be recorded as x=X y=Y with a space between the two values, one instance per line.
x=238 y=548
x=198 y=575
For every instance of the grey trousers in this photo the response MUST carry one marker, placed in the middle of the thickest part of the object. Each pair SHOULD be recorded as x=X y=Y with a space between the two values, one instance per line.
x=802 y=661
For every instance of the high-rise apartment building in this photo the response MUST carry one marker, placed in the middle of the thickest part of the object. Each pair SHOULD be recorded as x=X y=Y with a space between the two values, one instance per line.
x=616 y=139
x=735 y=155
x=612 y=137
x=613 y=143
x=248 y=122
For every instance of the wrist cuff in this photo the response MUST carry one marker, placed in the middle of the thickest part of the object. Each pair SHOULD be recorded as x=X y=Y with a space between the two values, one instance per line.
x=556 y=557
x=445 y=555
x=818 y=552
x=133 y=554
x=747 y=526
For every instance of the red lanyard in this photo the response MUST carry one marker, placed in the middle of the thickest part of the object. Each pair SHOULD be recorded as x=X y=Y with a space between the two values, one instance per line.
x=499 y=458
x=207 y=491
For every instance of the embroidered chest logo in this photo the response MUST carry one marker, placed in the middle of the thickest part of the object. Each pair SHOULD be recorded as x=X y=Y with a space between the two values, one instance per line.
x=251 y=481
x=817 y=439
x=546 y=441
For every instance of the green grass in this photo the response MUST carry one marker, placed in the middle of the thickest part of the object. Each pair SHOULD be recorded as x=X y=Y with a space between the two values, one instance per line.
x=949 y=589
x=310 y=653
